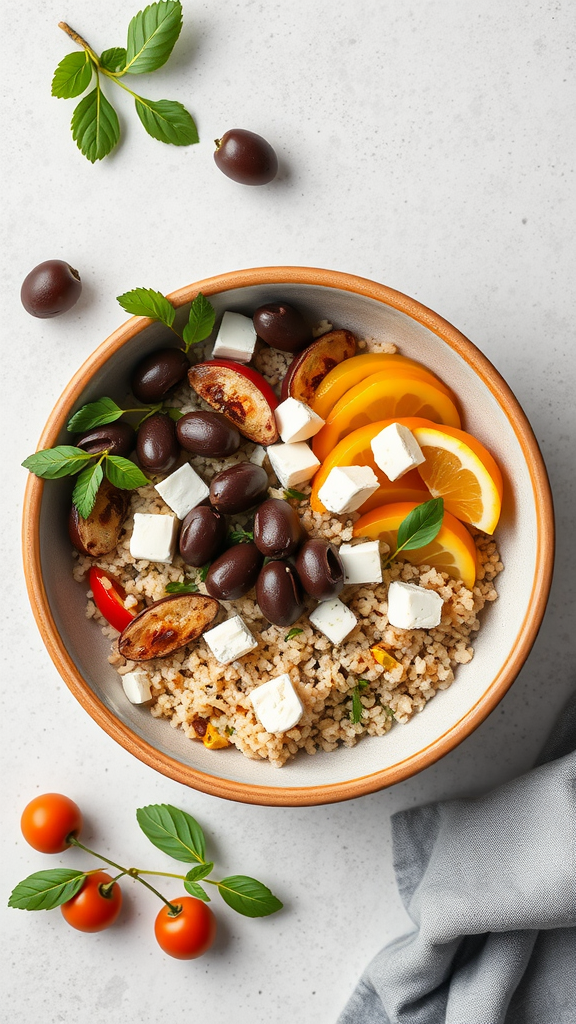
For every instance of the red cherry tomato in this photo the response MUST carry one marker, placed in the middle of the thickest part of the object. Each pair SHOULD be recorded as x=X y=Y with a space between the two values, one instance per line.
x=109 y=596
x=48 y=820
x=96 y=906
x=188 y=934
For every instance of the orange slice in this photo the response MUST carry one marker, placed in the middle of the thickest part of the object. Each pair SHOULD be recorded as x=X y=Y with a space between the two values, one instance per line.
x=351 y=371
x=380 y=397
x=460 y=469
x=355 y=450
x=452 y=551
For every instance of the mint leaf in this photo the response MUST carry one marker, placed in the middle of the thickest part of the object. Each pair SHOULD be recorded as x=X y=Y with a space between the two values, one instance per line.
x=54 y=463
x=180 y=587
x=147 y=302
x=421 y=525
x=151 y=36
x=86 y=489
x=95 y=127
x=167 y=120
x=200 y=321
x=94 y=414
x=289 y=492
x=173 y=831
x=123 y=473
x=295 y=631
x=46 y=890
x=196 y=890
x=248 y=896
x=199 y=872
x=113 y=59
x=240 y=536
x=72 y=76
x=202 y=572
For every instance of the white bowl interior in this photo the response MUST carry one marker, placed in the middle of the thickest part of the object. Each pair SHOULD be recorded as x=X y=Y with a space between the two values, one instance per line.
x=501 y=622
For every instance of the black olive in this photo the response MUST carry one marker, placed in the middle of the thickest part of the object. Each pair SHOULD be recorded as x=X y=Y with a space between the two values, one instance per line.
x=50 y=289
x=320 y=569
x=156 y=444
x=238 y=488
x=202 y=536
x=246 y=157
x=234 y=573
x=277 y=528
x=119 y=438
x=279 y=593
x=282 y=326
x=158 y=374
x=207 y=433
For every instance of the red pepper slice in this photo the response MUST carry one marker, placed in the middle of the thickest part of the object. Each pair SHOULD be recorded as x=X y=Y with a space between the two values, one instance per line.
x=110 y=600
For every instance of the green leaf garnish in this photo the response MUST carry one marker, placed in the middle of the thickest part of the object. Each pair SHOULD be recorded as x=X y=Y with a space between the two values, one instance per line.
x=199 y=872
x=174 y=414
x=173 y=831
x=196 y=890
x=200 y=321
x=54 y=463
x=94 y=414
x=357 y=707
x=152 y=34
x=202 y=572
x=114 y=59
x=123 y=473
x=147 y=302
x=240 y=536
x=419 y=528
x=95 y=127
x=289 y=492
x=72 y=76
x=46 y=890
x=86 y=489
x=181 y=587
x=167 y=121
x=248 y=896
x=293 y=632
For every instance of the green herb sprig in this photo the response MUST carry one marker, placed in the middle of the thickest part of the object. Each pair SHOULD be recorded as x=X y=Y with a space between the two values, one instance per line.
x=66 y=460
x=152 y=34
x=240 y=536
x=147 y=302
x=419 y=528
x=292 y=493
x=187 y=585
x=357 y=706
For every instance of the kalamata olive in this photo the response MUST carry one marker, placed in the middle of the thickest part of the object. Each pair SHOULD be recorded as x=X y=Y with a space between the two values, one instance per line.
x=234 y=573
x=277 y=528
x=158 y=374
x=207 y=433
x=279 y=593
x=202 y=536
x=282 y=326
x=50 y=289
x=238 y=488
x=320 y=569
x=119 y=438
x=246 y=157
x=156 y=444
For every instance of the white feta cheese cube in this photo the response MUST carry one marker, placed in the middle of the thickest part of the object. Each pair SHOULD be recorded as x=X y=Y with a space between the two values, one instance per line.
x=236 y=338
x=277 y=705
x=154 y=537
x=183 y=490
x=361 y=562
x=346 y=488
x=258 y=457
x=230 y=640
x=293 y=463
x=334 y=619
x=396 y=450
x=137 y=687
x=413 y=607
x=296 y=421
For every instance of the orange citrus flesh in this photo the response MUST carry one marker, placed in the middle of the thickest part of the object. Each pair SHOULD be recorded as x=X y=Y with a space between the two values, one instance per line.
x=452 y=551
x=459 y=469
x=380 y=397
x=351 y=371
x=355 y=450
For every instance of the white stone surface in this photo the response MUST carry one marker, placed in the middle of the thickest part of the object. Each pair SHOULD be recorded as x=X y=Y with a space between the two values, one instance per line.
x=428 y=146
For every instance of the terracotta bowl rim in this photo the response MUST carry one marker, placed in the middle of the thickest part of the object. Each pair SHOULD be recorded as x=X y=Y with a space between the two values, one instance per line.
x=457 y=732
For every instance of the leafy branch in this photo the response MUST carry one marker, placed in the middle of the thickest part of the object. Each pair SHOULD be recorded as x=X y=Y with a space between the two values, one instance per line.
x=150 y=303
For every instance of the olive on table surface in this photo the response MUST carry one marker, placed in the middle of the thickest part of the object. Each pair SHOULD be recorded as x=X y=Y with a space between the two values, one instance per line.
x=202 y=536
x=279 y=593
x=320 y=569
x=50 y=289
x=238 y=488
x=282 y=326
x=246 y=157
x=234 y=573
x=156 y=444
x=158 y=374
x=278 y=531
x=116 y=438
x=207 y=433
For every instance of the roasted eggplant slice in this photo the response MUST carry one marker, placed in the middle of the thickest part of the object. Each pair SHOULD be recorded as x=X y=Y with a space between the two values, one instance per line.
x=167 y=625
x=307 y=371
x=99 y=533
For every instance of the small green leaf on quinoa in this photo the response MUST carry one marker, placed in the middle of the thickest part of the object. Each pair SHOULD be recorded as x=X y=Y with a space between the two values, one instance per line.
x=289 y=492
x=240 y=536
x=295 y=631
x=182 y=587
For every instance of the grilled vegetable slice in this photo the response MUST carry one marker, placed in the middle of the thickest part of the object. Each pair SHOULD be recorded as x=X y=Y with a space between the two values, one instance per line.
x=99 y=533
x=167 y=625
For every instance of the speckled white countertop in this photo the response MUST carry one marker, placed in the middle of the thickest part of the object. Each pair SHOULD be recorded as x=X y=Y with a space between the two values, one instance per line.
x=429 y=146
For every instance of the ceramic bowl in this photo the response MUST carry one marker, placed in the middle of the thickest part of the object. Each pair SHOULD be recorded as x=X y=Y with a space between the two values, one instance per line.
x=509 y=626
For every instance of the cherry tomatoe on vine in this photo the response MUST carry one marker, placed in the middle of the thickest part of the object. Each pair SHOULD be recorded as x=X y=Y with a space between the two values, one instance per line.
x=48 y=822
x=188 y=933
x=96 y=906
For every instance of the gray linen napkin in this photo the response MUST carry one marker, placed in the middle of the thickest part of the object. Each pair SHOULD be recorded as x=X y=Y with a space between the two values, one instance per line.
x=490 y=885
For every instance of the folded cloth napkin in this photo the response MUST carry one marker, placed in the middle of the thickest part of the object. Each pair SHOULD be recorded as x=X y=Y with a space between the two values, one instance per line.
x=490 y=885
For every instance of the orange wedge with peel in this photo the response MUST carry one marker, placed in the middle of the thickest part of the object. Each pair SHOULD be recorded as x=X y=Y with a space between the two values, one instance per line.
x=452 y=551
x=383 y=396
x=355 y=450
x=461 y=470
x=351 y=371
